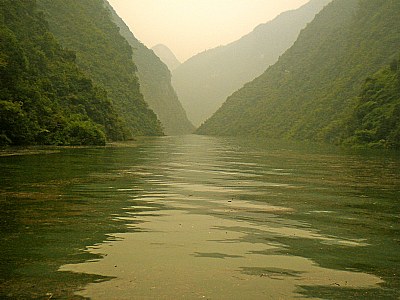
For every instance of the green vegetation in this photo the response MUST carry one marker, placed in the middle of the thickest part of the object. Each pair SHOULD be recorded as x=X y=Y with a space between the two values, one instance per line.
x=86 y=28
x=307 y=94
x=204 y=81
x=44 y=97
x=155 y=84
x=375 y=121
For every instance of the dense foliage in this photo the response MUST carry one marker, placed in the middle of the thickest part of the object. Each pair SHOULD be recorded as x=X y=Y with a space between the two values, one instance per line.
x=44 y=97
x=155 y=84
x=204 y=81
x=86 y=27
x=307 y=93
x=375 y=121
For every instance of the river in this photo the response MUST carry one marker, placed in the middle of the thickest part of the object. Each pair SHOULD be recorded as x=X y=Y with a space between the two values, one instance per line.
x=196 y=217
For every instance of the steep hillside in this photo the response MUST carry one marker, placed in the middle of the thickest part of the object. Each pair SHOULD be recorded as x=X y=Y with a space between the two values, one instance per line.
x=206 y=80
x=86 y=27
x=166 y=56
x=309 y=91
x=375 y=121
x=155 y=84
x=44 y=97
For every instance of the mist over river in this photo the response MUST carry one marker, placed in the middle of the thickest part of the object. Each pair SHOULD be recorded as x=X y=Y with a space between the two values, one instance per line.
x=194 y=217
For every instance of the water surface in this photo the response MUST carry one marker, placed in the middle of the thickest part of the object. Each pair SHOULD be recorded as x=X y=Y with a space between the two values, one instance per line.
x=200 y=218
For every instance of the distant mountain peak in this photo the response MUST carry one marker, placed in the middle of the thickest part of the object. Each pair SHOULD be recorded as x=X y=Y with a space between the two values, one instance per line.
x=204 y=81
x=166 y=56
x=312 y=93
x=155 y=83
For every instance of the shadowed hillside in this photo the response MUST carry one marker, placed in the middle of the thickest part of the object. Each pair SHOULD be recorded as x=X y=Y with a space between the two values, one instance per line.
x=44 y=96
x=155 y=84
x=87 y=28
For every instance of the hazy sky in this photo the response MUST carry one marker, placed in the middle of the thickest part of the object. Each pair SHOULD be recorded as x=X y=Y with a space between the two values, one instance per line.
x=188 y=27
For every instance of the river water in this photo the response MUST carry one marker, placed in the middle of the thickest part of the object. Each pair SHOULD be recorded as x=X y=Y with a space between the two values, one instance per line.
x=196 y=217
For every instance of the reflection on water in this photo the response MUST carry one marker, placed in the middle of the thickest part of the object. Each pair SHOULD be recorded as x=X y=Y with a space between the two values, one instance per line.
x=200 y=217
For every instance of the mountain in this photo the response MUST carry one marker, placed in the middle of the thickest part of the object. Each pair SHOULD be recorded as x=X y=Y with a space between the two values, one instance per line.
x=155 y=83
x=86 y=27
x=375 y=121
x=204 y=81
x=44 y=97
x=166 y=56
x=309 y=92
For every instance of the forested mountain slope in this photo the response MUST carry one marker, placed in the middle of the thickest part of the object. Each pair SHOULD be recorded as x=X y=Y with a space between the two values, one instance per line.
x=44 y=97
x=166 y=56
x=375 y=121
x=155 y=84
x=86 y=27
x=309 y=92
x=207 y=79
